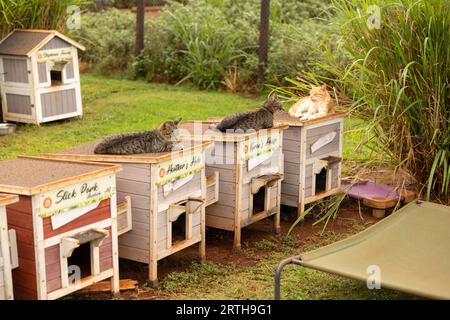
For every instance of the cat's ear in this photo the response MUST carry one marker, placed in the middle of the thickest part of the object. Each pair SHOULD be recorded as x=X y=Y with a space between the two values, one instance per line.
x=177 y=121
x=273 y=96
x=323 y=87
x=163 y=125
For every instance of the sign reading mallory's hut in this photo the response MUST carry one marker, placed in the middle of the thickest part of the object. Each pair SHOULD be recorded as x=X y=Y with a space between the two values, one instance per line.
x=39 y=76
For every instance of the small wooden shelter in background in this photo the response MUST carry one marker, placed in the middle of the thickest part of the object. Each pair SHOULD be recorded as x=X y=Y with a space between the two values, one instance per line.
x=39 y=76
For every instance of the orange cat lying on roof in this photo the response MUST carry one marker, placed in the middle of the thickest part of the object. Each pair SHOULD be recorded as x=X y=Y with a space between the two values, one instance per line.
x=318 y=104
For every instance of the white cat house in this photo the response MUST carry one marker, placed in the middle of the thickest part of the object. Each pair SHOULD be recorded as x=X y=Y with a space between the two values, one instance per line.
x=39 y=76
x=312 y=158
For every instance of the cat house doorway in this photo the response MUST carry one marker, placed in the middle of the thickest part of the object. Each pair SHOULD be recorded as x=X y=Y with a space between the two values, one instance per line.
x=81 y=260
x=259 y=201
x=321 y=181
x=179 y=229
x=56 y=73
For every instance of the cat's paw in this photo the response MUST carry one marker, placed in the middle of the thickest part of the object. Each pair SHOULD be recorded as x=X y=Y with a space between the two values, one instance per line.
x=177 y=147
x=213 y=127
x=305 y=117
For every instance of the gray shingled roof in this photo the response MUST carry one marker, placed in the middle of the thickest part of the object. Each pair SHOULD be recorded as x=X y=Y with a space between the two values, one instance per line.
x=20 y=43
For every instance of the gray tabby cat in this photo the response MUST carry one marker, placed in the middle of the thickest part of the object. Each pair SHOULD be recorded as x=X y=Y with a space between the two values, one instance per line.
x=254 y=120
x=158 y=140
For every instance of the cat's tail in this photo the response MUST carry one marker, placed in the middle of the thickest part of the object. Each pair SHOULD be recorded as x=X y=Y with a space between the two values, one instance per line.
x=101 y=148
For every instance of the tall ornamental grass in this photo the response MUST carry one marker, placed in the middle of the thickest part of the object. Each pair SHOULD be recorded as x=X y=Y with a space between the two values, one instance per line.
x=34 y=14
x=399 y=80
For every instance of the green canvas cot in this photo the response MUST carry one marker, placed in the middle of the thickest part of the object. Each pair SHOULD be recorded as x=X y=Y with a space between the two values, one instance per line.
x=411 y=247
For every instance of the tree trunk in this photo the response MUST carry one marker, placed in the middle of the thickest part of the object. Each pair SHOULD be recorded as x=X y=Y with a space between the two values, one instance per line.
x=264 y=39
x=140 y=18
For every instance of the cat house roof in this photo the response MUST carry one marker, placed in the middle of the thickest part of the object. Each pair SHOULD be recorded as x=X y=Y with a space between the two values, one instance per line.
x=85 y=152
x=25 y=42
x=6 y=199
x=32 y=175
x=283 y=118
x=200 y=131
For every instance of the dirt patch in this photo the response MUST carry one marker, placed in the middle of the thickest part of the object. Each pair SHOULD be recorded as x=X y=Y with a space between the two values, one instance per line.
x=258 y=240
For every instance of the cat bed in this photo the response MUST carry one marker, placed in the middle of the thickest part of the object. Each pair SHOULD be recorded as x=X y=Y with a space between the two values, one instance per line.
x=410 y=248
x=376 y=196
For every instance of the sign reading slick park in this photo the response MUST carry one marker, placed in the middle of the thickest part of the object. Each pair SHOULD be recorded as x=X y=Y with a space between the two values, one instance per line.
x=75 y=196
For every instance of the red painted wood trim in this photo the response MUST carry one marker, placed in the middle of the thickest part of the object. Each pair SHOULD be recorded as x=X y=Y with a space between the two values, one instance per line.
x=102 y=212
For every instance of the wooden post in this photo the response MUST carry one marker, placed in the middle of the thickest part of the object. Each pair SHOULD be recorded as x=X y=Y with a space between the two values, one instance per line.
x=153 y=248
x=264 y=39
x=140 y=21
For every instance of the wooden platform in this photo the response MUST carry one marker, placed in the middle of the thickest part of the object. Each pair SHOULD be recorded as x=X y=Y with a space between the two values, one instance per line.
x=85 y=152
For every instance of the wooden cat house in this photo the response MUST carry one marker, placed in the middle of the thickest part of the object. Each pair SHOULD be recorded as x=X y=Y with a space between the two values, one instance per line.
x=312 y=158
x=8 y=249
x=66 y=225
x=250 y=167
x=39 y=76
x=168 y=191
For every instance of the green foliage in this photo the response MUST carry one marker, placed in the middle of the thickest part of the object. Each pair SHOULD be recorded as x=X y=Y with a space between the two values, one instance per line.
x=214 y=43
x=265 y=244
x=109 y=39
x=125 y=4
x=34 y=14
x=195 y=42
x=399 y=80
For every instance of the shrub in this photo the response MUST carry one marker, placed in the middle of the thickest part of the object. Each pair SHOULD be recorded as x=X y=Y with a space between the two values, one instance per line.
x=399 y=79
x=195 y=42
x=109 y=38
x=211 y=43
x=34 y=14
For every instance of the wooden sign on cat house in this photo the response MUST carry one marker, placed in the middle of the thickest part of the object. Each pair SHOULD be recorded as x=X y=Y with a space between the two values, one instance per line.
x=65 y=223
x=168 y=191
x=312 y=158
x=8 y=249
x=250 y=167
x=39 y=76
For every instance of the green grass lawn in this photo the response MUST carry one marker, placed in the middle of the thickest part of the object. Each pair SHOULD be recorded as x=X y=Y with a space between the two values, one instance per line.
x=112 y=105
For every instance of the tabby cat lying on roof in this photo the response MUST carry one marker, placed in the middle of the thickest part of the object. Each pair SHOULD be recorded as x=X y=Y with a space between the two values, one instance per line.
x=254 y=120
x=158 y=140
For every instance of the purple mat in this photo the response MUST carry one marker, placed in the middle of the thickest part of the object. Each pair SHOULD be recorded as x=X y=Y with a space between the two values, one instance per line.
x=367 y=189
